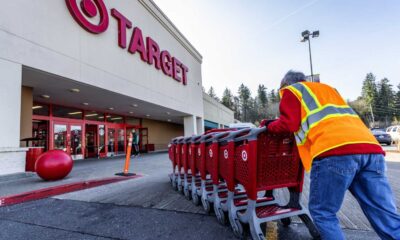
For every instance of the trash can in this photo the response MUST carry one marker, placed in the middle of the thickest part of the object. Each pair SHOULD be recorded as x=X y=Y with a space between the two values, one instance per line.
x=31 y=156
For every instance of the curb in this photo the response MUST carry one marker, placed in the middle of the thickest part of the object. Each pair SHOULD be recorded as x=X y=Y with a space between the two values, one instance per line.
x=58 y=190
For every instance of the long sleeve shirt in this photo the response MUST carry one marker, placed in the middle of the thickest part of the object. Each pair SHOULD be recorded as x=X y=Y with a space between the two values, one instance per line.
x=290 y=120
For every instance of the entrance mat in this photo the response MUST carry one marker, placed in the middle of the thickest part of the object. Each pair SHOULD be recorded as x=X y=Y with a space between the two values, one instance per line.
x=61 y=189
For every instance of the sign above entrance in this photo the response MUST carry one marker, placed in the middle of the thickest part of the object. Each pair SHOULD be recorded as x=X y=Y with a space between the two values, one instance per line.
x=147 y=48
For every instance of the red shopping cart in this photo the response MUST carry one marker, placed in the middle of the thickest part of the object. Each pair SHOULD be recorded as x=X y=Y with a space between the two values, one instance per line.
x=267 y=161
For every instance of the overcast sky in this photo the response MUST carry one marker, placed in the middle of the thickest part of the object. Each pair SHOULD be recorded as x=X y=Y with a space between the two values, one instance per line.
x=257 y=41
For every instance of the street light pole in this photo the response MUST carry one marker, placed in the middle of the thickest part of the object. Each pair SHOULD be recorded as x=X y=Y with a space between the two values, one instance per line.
x=306 y=37
x=309 y=50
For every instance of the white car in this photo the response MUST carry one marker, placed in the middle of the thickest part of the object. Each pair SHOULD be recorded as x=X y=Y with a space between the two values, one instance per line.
x=394 y=132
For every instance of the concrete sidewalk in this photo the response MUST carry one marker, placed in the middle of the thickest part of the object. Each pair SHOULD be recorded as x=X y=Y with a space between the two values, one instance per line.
x=83 y=170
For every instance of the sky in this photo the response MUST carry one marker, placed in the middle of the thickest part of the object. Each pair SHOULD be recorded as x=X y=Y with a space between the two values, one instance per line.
x=258 y=41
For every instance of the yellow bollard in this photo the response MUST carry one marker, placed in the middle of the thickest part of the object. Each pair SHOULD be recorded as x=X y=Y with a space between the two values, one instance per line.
x=271 y=232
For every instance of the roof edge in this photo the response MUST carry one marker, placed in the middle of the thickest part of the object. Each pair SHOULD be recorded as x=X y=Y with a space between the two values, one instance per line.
x=160 y=16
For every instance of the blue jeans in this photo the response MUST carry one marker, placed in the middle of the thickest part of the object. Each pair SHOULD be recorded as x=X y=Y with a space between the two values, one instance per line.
x=364 y=176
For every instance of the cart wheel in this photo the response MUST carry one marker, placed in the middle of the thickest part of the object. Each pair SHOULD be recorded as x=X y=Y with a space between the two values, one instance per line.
x=221 y=215
x=187 y=194
x=195 y=199
x=310 y=225
x=237 y=227
x=206 y=205
x=286 y=221
x=180 y=188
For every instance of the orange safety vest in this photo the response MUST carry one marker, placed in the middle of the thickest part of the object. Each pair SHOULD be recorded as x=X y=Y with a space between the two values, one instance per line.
x=327 y=122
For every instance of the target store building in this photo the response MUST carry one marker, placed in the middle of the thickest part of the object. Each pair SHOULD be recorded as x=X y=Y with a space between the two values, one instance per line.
x=79 y=75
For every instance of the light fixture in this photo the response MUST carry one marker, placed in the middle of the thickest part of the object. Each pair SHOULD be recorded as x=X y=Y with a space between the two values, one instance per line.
x=134 y=105
x=116 y=118
x=37 y=107
x=85 y=104
x=108 y=116
x=75 y=113
x=130 y=112
x=45 y=96
x=111 y=108
x=91 y=115
x=147 y=115
x=101 y=117
x=168 y=113
x=169 y=120
x=74 y=90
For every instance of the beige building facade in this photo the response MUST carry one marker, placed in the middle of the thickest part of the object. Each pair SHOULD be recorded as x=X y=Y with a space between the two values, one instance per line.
x=81 y=75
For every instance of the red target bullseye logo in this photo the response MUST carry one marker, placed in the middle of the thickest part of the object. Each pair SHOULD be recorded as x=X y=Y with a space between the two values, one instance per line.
x=89 y=9
x=244 y=155
x=226 y=154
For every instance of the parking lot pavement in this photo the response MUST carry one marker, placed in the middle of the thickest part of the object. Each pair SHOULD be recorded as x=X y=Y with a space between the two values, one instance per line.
x=147 y=208
x=67 y=219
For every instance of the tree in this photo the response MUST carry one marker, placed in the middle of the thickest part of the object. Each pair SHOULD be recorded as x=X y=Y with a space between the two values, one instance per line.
x=262 y=95
x=244 y=98
x=212 y=94
x=361 y=107
x=236 y=108
x=369 y=89
x=273 y=97
x=227 y=99
x=397 y=104
x=261 y=102
x=384 y=104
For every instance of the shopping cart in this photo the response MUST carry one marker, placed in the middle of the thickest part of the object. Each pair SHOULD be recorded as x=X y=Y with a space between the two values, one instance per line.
x=265 y=161
x=218 y=188
x=182 y=163
x=173 y=156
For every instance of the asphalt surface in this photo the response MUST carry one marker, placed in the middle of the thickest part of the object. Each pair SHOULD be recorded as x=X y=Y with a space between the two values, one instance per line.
x=143 y=208
x=51 y=219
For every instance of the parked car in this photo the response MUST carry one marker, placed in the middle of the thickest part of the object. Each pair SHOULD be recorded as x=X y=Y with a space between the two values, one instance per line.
x=382 y=137
x=394 y=132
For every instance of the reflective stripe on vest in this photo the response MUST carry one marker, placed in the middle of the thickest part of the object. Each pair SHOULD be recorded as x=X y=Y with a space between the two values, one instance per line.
x=313 y=119
x=315 y=113
x=309 y=99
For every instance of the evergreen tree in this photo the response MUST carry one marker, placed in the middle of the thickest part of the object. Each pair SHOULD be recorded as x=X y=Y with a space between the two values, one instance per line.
x=244 y=98
x=369 y=89
x=212 y=94
x=273 y=97
x=385 y=102
x=261 y=102
x=262 y=95
x=227 y=99
x=397 y=103
x=236 y=108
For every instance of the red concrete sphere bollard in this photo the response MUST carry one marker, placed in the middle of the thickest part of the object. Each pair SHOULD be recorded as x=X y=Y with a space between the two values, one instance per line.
x=53 y=165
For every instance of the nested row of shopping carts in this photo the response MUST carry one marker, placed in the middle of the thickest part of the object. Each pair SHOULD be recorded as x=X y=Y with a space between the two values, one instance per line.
x=235 y=173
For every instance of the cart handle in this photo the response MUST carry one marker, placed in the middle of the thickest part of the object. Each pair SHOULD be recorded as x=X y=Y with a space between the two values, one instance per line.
x=252 y=135
x=233 y=134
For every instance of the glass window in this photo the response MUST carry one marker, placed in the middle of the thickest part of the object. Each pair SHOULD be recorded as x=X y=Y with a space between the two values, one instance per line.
x=65 y=112
x=94 y=116
x=102 y=148
x=133 y=121
x=114 y=118
x=60 y=136
x=40 y=109
x=394 y=129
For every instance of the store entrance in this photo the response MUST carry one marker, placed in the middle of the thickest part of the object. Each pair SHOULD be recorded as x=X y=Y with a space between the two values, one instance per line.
x=91 y=133
x=95 y=139
x=68 y=137
x=116 y=140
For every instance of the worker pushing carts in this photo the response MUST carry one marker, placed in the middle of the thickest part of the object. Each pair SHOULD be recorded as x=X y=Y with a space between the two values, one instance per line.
x=236 y=172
